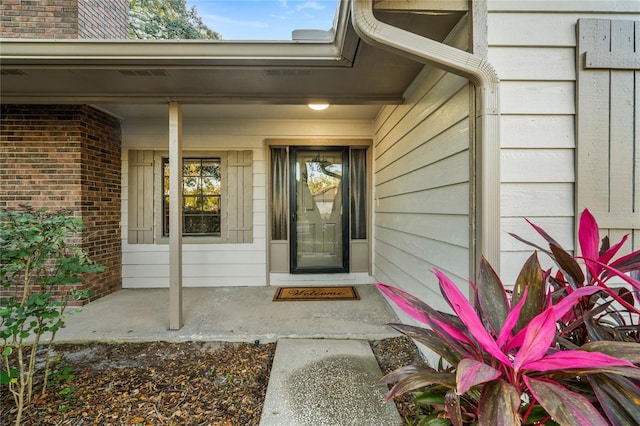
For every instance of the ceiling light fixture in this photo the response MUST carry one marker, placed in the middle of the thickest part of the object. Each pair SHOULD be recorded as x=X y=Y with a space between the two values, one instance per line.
x=318 y=107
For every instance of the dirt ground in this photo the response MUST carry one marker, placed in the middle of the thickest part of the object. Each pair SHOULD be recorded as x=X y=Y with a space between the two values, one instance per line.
x=159 y=383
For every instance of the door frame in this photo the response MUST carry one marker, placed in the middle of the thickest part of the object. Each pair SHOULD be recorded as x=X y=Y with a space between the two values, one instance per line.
x=277 y=268
x=345 y=240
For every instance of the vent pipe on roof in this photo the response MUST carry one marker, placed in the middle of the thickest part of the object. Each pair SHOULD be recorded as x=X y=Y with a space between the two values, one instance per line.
x=481 y=74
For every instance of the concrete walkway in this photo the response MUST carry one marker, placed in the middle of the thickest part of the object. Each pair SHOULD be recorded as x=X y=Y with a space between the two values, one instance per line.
x=324 y=371
x=326 y=383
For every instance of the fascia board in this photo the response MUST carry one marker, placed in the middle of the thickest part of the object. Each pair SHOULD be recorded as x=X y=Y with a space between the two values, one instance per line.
x=184 y=53
x=155 y=53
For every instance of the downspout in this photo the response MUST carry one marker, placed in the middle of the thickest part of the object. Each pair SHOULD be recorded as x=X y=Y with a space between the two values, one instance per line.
x=481 y=74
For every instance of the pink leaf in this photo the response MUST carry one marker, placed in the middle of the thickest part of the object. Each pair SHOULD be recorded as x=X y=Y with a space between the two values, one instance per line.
x=512 y=319
x=635 y=283
x=515 y=341
x=453 y=332
x=626 y=263
x=613 y=293
x=405 y=301
x=608 y=255
x=468 y=316
x=470 y=372
x=575 y=359
x=589 y=237
x=538 y=337
x=563 y=306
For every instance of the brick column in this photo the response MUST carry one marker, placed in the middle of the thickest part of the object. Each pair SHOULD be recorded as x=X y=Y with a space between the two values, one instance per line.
x=67 y=156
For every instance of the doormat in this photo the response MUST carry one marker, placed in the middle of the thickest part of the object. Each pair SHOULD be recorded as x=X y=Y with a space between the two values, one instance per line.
x=288 y=294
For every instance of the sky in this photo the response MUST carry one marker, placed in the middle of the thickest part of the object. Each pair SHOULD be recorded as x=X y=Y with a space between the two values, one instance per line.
x=264 y=19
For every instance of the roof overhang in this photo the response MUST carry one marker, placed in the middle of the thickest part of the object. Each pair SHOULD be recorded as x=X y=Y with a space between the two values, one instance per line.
x=339 y=50
x=338 y=70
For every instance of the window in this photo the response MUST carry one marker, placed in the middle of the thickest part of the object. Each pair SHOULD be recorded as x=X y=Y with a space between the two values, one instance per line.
x=201 y=196
x=217 y=197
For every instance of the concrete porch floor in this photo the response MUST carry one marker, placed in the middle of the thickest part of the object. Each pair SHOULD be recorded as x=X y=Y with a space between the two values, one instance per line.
x=232 y=314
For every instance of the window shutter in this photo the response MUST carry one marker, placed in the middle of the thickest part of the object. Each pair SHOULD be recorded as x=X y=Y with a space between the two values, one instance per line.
x=140 y=205
x=239 y=197
x=608 y=126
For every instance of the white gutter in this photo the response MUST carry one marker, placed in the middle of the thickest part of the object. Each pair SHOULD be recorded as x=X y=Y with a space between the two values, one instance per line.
x=480 y=73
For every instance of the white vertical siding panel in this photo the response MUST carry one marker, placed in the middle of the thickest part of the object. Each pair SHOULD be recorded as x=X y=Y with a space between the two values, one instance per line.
x=593 y=132
x=636 y=137
x=622 y=94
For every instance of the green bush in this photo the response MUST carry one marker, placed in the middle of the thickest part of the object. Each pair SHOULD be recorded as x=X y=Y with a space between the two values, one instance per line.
x=37 y=260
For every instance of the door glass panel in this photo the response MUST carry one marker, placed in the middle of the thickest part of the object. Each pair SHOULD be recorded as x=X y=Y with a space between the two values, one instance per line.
x=319 y=212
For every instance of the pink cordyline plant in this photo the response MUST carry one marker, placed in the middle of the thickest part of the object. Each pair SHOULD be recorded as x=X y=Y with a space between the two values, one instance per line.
x=538 y=356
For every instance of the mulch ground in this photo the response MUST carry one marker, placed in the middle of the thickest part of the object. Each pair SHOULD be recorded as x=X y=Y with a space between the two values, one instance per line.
x=159 y=383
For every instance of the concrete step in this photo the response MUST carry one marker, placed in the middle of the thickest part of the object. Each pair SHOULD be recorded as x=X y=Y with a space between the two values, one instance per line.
x=325 y=382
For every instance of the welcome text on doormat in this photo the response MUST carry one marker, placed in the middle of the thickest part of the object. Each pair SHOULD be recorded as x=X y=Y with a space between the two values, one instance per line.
x=284 y=294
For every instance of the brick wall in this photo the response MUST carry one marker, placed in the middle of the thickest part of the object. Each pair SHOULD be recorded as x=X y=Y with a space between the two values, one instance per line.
x=103 y=19
x=101 y=166
x=64 y=19
x=67 y=156
x=39 y=19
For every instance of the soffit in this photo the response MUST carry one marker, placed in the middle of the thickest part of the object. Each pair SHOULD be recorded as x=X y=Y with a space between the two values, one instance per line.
x=108 y=74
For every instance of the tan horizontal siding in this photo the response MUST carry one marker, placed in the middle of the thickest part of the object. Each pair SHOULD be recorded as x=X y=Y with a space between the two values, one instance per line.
x=421 y=165
x=146 y=265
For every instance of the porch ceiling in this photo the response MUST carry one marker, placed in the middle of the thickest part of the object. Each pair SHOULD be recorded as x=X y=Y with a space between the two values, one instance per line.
x=269 y=80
